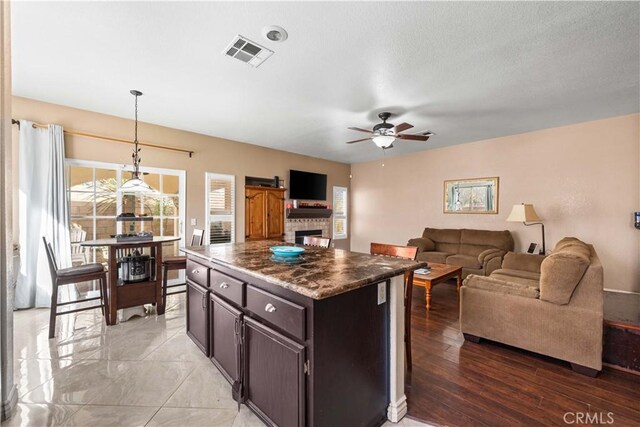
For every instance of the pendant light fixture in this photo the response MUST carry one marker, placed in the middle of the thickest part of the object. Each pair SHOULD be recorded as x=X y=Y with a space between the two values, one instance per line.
x=136 y=184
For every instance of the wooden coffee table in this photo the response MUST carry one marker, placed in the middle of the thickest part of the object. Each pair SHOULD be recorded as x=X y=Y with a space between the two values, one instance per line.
x=438 y=274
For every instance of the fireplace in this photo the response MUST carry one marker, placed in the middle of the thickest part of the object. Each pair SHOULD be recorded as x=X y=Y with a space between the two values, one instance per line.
x=299 y=234
x=296 y=229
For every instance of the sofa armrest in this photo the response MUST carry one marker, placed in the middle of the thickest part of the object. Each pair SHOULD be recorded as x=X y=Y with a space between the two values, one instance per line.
x=486 y=255
x=423 y=243
x=524 y=262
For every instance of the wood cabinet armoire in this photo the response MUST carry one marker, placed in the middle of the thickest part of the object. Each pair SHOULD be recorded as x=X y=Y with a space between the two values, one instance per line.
x=263 y=213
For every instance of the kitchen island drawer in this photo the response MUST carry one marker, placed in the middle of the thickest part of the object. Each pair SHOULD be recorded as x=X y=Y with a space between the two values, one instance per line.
x=228 y=287
x=198 y=273
x=278 y=311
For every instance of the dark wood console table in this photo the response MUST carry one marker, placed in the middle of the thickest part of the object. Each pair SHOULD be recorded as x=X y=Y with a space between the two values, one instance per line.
x=622 y=330
x=134 y=294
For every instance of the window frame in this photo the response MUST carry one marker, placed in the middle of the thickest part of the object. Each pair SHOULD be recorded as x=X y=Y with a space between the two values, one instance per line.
x=343 y=215
x=208 y=217
x=120 y=169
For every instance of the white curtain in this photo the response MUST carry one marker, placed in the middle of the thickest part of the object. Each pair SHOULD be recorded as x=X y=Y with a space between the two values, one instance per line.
x=44 y=211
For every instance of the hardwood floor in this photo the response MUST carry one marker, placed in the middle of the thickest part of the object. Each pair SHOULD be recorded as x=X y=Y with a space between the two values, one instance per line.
x=458 y=383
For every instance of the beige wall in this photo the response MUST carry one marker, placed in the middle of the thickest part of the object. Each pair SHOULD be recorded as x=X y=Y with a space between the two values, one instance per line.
x=583 y=179
x=211 y=154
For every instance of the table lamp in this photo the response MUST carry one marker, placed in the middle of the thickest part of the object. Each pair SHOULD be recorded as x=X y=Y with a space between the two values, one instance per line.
x=525 y=213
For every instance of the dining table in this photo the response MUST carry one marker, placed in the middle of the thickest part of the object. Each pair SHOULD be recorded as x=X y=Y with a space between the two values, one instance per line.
x=122 y=294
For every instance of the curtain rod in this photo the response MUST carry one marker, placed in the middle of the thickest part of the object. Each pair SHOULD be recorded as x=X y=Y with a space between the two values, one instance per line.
x=110 y=138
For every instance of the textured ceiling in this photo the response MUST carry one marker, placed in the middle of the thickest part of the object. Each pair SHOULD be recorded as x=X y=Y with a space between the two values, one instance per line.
x=467 y=71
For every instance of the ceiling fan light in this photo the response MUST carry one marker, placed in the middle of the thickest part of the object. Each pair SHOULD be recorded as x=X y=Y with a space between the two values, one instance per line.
x=383 y=141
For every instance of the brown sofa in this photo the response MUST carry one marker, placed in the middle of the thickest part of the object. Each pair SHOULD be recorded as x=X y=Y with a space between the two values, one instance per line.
x=476 y=251
x=550 y=305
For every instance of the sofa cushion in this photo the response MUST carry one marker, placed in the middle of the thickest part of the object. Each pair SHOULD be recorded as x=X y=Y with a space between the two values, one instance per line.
x=522 y=262
x=492 y=284
x=531 y=283
x=433 y=256
x=444 y=235
x=487 y=238
x=473 y=250
x=423 y=244
x=506 y=272
x=464 y=261
x=561 y=271
x=452 y=248
x=573 y=245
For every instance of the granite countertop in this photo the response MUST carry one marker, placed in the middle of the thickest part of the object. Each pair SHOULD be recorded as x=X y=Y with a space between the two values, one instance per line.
x=321 y=273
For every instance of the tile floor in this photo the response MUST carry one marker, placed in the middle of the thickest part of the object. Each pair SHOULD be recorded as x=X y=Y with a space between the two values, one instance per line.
x=144 y=372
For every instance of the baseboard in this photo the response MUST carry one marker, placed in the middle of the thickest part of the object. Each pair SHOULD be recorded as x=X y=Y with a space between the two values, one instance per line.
x=8 y=407
x=622 y=369
x=397 y=410
x=621 y=291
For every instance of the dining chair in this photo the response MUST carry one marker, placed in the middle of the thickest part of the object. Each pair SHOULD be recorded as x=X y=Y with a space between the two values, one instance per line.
x=70 y=276
x=177 y=263
x=321 y=242
x=408 y=252
x=78 y=252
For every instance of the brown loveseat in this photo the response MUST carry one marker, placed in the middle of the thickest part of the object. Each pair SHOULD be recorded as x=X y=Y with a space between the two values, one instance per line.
x=476 y=251
x=549 y=305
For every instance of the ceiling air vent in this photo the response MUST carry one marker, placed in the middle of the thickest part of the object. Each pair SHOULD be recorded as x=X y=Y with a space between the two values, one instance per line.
x=247 y=51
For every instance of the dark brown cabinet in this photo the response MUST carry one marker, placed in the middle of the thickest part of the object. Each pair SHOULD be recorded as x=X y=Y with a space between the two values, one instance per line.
x=274 y=375
x=198 y=315
x=275 y=213
x=264 y=213
x=224 y=342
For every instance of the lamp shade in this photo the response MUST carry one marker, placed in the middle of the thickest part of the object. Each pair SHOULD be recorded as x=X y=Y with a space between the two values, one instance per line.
x=523 y=212
x=383 y=141
x=136 y=185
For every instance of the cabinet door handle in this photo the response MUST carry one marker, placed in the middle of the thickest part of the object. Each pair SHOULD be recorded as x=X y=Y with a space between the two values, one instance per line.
x=204 y=302
x=224 y=285
x=195 y=271
x=270 y=308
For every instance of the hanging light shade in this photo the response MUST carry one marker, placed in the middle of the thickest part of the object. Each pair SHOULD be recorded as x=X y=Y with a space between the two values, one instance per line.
x=383 y=141
x=136 y=184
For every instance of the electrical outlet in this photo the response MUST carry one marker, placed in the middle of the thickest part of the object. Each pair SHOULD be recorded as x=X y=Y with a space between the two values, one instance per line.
x=382 y=293
x=194 y=222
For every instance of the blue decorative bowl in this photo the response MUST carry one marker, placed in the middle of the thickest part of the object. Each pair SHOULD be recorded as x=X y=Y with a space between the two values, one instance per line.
x=287 y=251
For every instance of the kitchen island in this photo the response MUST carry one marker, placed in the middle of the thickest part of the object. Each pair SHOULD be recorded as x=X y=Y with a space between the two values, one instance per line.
x=313 y=342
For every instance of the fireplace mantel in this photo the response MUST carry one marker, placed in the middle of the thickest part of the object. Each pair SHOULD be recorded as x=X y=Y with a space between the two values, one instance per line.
x=293 y=213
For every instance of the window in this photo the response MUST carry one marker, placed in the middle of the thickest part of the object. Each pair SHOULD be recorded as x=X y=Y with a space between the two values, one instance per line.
x=94 y=202
x=221 y=223
x=339 y=213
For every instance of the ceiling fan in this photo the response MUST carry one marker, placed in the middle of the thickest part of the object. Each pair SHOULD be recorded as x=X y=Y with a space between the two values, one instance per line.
x=384 y=134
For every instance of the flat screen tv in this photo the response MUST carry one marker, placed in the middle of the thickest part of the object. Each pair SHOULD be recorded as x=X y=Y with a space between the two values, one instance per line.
x=307 y=185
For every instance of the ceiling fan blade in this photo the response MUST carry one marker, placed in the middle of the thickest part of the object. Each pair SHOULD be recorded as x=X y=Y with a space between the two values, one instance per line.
x=413 y=137
x=402 y=127
x=360 y=130
x=358 y=140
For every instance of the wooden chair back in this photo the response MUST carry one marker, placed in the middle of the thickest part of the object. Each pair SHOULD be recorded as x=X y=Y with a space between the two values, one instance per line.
x=51 y=258
x=197 y=238
x=321 y=242
x=408 y=252
x=68 y=280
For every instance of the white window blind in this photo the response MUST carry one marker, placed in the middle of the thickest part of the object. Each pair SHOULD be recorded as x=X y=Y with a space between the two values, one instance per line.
x=339 y=213
x=221 y=208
